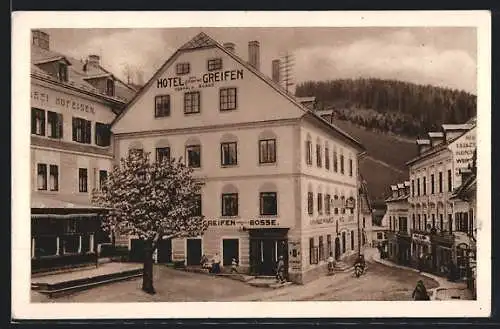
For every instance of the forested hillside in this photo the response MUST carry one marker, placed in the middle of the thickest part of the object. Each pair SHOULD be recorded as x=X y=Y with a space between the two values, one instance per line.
x=391 y=106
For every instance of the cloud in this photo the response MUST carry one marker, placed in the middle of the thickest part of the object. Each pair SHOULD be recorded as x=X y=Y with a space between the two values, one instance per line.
x=396 y=55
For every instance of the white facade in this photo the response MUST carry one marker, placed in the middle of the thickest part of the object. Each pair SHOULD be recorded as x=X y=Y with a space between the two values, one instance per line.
x=262 y=112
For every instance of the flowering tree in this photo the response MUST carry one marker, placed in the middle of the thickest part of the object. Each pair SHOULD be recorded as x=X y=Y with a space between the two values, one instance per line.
x=151 y=200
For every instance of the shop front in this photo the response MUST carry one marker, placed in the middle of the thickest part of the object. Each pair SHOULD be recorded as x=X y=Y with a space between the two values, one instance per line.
x=443 y=250
x=266 y=246
x=421 y=251
x=403 y=249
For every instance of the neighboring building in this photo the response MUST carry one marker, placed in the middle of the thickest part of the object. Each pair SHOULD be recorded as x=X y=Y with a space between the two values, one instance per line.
x=438 y=240
x=279 y=180
x=399 y=240
x=366 y=218
x=72 y=106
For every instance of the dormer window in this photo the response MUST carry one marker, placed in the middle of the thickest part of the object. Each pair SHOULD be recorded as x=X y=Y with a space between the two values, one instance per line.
x=62 y=72
x=110 y=87
x=182 y=68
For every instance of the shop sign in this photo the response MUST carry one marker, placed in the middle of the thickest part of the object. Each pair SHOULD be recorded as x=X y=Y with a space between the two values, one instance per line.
x=251 y=223
x=463 y=150
x=61 y=102
x=421 y=237
x=322 y=220
x=294 y=259
x=197 y=82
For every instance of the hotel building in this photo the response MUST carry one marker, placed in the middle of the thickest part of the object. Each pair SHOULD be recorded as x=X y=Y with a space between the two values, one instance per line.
x=72 y=105
x=441 y=226
x=279 y=180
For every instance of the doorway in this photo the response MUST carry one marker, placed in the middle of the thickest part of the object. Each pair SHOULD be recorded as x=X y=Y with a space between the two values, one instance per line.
x=165 y=251
x=265 y=248
x=343 y=242
x=230 y=250
x=193 y=251
x=337 y=248
x=137 y=250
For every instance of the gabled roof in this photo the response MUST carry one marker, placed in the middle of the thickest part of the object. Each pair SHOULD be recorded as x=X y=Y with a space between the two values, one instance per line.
x=202 y=40
x=77 y=74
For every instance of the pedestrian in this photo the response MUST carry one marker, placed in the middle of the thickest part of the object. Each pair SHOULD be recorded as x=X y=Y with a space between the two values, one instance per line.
x=234 y=266
x=420 y=293
x=280 y=269
x=216 y=264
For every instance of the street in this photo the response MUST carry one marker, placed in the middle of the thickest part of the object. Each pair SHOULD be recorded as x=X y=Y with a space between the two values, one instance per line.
x=378 y=283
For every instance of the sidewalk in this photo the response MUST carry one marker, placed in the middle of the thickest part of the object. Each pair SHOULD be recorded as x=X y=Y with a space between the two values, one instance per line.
x=446 y=290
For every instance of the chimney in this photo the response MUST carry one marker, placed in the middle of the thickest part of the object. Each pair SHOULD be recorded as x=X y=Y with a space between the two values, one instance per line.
x=229 y=46
x=254 y=54
x=40 y=39
x=423 y=145
x=93 y=60
x=276 y=71
x=436 y=138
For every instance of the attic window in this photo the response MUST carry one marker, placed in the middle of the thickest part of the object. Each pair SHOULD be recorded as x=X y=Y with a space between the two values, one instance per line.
x=182 y=68
x=62 y=72
x=110 y=87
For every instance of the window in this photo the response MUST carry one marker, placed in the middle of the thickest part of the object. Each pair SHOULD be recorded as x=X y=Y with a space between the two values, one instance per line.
x=327 y=159
x=214 y=64
x=54 y=124
x=424 y=185
x=162 y=154
x=419 y=222
x=318 y=155
x=350 y=167
x=412 y=187
x=327 y=204
x=82 y=130
x=450 y=223
x=193 y=155
x=335 y=162
x=425 y=222
x=162 y=106
x=197 y=207
x=403 y=224
x=267 y=151
x=103 y=177
x=364 y=222
x=379 y=236
x=321 y=249
x=62 y=72
x=230 y=204
x=352 y=240
x=329 y=244
x=110 y=87
x=37 y=122
x=433 y=221
x=228 y=154
x=462 y=222
x=320 y=203
x=309 y=152
x=441 y=222
x=227 y=99
x=54 y=177
x=390 y=223
x=432 y=184
x=192 y=102
x=70 y=244
x=418 y=186
x=342 y=199
x=342 y=164
x=42 y=176
x=85 y=244
x=45 y=246
x=102 y=134
x=268 y=204
x=182 y=68
x=440 y=179
x=313 y=252
x=82 y=179
x=335 y=203
x=450 y=185
x=413 y=224
x=310 y=203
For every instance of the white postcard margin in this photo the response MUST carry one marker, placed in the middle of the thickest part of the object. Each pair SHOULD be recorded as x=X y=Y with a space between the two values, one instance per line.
x=23 y=22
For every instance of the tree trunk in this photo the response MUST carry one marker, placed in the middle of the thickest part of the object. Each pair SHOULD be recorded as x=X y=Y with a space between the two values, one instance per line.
x=147 y=275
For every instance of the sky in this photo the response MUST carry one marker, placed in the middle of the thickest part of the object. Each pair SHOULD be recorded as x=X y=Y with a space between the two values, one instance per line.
x=439 y=56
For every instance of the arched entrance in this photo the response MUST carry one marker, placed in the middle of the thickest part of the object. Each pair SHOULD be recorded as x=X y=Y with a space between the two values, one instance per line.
x=337 y=248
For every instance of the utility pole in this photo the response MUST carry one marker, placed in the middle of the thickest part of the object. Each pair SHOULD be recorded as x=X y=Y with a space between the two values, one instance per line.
x=287 y=64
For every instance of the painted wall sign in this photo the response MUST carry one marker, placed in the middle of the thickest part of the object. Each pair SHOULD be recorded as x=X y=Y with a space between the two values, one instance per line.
x=46 y=99
x=197 y=82
x=322 y=220
x=250 y=223
x=421 y=237
x=294 y=259
x=462 y=150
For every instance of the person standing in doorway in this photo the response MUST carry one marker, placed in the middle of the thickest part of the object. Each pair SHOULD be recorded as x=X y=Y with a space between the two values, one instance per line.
x=216 y=266
x=280 y=270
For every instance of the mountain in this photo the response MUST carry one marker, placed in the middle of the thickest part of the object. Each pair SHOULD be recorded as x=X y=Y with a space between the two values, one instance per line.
x=384 y=163
x=393 y=106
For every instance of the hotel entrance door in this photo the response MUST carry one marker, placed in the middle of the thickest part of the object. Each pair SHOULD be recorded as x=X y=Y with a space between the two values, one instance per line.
x=265 y=248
